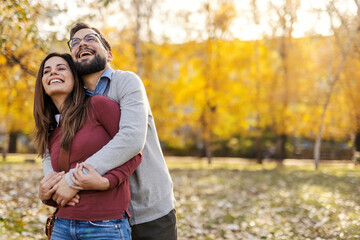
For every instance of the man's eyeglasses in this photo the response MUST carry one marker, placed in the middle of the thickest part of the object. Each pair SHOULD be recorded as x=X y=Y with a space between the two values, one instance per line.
x=89 y=38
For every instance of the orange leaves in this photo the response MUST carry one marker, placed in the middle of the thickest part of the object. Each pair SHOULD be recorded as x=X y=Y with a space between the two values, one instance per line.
x=20 y=56
x=239 y=88
x=227 y=88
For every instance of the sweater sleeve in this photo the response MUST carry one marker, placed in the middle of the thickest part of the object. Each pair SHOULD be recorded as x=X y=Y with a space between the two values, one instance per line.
x=50 y=202
x=130 y=139
x=107 y=112
x=46 y=163
x=122 y=173
x=47 y=168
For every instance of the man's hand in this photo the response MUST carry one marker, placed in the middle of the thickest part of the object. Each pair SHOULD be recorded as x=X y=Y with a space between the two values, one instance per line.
x=90 y=181
x=64 y=193
x=47 y=185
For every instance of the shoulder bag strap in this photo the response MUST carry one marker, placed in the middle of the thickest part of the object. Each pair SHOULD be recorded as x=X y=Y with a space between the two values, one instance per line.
x=64 y=160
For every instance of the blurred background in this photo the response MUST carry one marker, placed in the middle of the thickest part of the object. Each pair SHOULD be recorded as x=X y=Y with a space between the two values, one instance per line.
x=261 y=89
x=252 y=78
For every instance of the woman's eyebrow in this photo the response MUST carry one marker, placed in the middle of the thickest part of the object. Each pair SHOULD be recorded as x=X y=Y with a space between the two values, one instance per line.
x=61 y=64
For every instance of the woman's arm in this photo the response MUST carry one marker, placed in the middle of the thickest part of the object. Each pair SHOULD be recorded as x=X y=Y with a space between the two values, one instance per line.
x=46 y=163
x=47 y=188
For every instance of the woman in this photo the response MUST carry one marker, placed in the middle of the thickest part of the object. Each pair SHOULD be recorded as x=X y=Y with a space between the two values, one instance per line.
x=84 y=125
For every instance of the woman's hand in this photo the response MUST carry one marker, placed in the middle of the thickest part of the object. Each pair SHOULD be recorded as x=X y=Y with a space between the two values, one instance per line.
x=74 y=201
x=90 y=181
x=47 y=185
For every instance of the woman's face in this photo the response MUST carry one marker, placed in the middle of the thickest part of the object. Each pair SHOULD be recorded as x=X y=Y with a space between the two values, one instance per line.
x=57 y=79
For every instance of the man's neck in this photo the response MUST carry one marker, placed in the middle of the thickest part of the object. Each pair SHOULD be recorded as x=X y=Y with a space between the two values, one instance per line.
x=91 y=80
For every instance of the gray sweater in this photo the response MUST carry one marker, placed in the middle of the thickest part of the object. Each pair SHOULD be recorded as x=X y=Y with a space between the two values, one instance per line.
x=151 y=185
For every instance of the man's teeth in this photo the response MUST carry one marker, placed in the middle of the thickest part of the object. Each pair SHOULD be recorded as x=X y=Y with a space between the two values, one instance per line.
x=85 y=53
x=55 y=81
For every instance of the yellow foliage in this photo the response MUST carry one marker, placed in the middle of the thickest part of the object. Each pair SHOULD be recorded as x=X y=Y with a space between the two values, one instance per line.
x=20 y=56
x=211 y=90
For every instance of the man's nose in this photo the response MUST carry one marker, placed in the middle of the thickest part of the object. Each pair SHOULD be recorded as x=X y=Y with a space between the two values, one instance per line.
x=82 y=43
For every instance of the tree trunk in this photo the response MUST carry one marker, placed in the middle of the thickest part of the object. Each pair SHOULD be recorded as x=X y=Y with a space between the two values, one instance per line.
x=13 y=142
x=317 y=147
x=280 y=148
x=332 y=80
x=356 y=156
x=206 y=135
x=259 y=150
x=208 y=152
x=5 y=145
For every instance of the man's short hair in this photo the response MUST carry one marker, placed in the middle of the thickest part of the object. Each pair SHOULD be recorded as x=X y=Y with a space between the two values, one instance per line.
x=80 y=25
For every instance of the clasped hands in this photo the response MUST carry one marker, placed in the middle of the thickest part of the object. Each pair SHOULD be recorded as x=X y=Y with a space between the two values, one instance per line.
x=54 y=185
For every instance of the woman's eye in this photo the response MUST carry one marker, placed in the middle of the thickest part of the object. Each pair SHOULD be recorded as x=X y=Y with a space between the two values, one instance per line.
x=46 y=72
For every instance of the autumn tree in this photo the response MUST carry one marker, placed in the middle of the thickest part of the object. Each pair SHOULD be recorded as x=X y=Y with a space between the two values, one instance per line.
x=219 y=15
x=21 y=50
x=137 y=27
x=154 y=60
x=18 y=68
x=284 y=17
x=257 y=80
x=350 y=84
x=159 y=67
x=344 y=37
x=211 y=90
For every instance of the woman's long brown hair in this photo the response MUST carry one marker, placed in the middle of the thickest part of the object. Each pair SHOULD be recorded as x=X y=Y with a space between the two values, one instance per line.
x=73 y=110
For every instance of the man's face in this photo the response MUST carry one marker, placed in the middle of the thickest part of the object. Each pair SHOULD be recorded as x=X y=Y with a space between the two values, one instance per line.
x=89 y=56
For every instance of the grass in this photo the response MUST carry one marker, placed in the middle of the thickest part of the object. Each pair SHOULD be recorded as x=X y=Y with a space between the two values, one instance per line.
x=20 y=158
x=227 y=200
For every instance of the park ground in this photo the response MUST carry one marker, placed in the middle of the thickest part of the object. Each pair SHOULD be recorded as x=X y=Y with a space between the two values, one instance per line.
x=230 y=199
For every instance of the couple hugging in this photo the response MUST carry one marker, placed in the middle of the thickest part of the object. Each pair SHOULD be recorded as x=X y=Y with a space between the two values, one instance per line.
x=103 y=166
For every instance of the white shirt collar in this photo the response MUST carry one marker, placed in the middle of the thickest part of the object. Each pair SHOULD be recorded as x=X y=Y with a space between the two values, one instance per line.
x=57 y=118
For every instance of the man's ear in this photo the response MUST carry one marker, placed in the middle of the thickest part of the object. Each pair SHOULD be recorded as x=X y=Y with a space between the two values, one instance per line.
x=109 y=57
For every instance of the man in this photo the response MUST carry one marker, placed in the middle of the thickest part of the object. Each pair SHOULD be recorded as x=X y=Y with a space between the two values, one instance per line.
x=152 y=199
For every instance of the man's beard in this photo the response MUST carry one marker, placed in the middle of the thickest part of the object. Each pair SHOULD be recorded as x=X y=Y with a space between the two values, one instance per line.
x=95 y=65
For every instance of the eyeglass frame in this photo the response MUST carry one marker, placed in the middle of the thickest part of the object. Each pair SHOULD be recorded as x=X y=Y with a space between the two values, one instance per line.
x=81 y=39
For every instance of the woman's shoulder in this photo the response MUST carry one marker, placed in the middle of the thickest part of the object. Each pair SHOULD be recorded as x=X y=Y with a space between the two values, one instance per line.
x=103 y=108
x=100 y=101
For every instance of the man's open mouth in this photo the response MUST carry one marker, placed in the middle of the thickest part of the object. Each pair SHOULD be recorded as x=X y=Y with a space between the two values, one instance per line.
x=85 y=52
